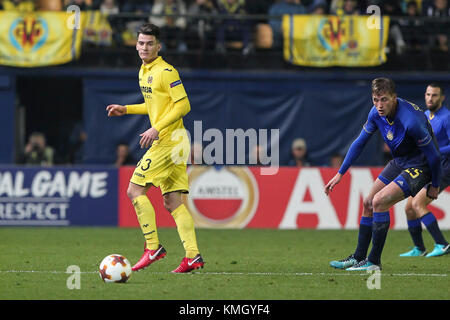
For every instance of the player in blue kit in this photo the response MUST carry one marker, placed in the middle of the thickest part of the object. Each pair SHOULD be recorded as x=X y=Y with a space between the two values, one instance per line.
x=416 y=162
x=416 y=208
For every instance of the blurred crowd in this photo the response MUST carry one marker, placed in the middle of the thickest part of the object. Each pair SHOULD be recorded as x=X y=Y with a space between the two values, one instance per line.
x=436 y=8
x=219 y=24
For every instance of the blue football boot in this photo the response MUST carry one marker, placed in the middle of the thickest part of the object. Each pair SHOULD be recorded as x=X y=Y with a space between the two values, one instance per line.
x=439 y=250
x=344 y=263
x=364 y=265
x=415 y=252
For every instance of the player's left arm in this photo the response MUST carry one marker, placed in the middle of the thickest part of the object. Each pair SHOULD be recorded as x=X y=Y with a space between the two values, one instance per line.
x=172 y=82
x=446 y=124
x=426 y=143
x=180 y=109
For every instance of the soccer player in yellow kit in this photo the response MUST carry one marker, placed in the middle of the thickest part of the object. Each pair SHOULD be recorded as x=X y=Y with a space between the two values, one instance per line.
x=164 y=164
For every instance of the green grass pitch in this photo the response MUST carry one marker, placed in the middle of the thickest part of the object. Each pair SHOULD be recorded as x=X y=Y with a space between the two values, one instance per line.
x=255 y=264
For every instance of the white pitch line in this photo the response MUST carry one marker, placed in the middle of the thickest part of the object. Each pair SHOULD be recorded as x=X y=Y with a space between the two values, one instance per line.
x=322 y=274
x=287 y=274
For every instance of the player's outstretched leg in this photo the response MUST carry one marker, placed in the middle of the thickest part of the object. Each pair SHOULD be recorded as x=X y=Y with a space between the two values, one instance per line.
x=145 y=213
x=185 y=227
x=441 y=246
x=380 y=227
x=381 y=222
x=365 y=230
x=419 y=204
x=382 y=201
x=415 y=230
x=364 y=236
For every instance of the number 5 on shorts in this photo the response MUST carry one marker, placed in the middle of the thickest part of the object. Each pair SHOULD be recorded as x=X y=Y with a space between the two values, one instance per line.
x=414 y=174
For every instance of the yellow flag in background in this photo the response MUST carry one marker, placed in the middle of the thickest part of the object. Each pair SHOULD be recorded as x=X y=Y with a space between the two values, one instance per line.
x=324 y=41
x=97 y=29
x=39 y=38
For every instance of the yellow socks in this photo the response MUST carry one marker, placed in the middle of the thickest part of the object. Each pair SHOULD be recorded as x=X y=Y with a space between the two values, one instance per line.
x=185 y=227
x=146 y=217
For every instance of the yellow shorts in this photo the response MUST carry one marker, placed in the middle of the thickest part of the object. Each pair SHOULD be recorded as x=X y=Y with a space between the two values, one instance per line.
x=162 y=169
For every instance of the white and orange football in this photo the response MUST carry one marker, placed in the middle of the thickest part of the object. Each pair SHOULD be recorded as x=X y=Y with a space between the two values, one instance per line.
x=115 y=268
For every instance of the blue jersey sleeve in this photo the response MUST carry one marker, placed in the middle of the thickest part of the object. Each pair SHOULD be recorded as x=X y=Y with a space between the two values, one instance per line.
x=370 y=125
x=445 y=150
x=427 y=146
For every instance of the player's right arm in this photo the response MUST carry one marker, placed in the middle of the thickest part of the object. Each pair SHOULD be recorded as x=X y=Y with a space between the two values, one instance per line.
x=334 y=181
x=353 y=152
x=140 y=108
x=115 y=110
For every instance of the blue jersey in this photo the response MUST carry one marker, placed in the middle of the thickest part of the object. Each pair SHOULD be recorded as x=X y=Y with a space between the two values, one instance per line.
x=409 y=136
x=440 y=122
x=408 y=130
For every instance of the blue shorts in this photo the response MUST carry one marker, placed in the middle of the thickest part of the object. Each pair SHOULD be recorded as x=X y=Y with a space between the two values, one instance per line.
x=410 y=180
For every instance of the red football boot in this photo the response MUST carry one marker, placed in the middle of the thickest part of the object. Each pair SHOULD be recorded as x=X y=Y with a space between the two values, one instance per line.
x=149 y=257
x=187 y=264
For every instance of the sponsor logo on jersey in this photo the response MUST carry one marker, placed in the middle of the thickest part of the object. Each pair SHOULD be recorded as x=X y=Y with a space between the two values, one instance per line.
x=145 y=89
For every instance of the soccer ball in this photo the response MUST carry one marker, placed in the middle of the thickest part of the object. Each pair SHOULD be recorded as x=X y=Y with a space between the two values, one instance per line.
x=115 y=268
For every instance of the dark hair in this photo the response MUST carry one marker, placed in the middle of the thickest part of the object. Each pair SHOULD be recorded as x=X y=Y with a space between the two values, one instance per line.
x=123 y=143
x=149 y=29
x=383 y=85
x=437 y=85
x=411 y=3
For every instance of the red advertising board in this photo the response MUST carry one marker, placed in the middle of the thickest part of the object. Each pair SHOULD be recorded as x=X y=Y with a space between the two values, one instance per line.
x=245 y=197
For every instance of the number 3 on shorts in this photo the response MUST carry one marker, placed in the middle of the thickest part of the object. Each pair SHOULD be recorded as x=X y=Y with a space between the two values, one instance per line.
x=147 y=165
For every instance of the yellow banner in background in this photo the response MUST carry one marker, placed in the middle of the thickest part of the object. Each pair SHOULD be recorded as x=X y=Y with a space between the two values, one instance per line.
x=38 y=39
x=97 y=29
x=325 y=41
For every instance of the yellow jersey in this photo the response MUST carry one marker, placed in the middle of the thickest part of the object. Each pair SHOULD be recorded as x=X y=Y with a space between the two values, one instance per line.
x=161 y=88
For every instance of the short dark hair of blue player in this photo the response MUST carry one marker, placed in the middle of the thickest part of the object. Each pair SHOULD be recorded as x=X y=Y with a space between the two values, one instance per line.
x=383 y=85
x=437 y=85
